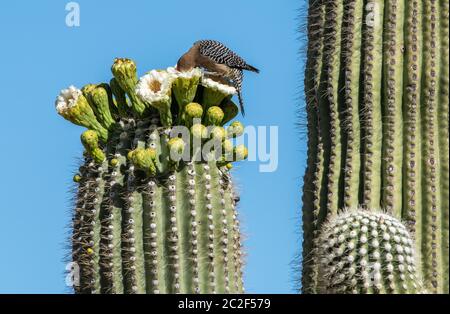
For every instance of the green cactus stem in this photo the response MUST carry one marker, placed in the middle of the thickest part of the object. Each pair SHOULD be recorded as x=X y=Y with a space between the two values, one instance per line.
x=145 y=221
x=376 y=87
x=366 y=252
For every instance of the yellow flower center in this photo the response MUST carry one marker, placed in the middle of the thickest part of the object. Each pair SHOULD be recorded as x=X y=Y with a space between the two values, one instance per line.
x=154 y=85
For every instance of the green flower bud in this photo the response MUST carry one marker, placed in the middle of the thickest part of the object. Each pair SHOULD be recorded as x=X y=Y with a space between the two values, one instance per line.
x=199 y=131
x=235 y=129
x=229 y=166
x=214 y=116
x=230 y=110
x=89 y=139
x=144 y=159
x=227 y=147
x=100 y=100
x=193 y=111
x=240 y=152
x=77 y=178
x=218 y=133
x=114 y=162
x=124 y=71
x=74 y=107
x=98 y=155
x=176 y=148
x=87 y=90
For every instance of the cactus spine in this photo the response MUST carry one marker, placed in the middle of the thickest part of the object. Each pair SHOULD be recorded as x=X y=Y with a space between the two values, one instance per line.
x=376 y=87
x=153 y=212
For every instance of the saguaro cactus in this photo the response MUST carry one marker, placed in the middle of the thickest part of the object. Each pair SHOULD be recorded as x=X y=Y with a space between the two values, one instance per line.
x=377 y=103
x=155 y=210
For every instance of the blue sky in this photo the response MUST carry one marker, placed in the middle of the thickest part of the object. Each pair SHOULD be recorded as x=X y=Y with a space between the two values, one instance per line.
x=40 y=55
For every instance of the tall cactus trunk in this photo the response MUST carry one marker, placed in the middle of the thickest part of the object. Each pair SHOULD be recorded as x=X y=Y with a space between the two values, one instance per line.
x=145 y=221
x=176 y=233
x=376 y=87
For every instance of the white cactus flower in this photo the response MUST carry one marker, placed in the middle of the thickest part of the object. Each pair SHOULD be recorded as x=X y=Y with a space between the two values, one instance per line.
x=217 y=86
x=67 y=99
x=195 y=72
x=155 y=86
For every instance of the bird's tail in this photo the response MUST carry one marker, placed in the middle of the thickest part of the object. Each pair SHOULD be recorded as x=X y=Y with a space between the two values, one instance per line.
x=251 y=68
x=241 y=103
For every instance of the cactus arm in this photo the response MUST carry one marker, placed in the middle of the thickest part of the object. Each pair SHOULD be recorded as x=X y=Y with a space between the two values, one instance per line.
x=371 y=111
x=412 y=213
x=430 y=189
x=351 y=52
x=392 y=143
x=443 y=139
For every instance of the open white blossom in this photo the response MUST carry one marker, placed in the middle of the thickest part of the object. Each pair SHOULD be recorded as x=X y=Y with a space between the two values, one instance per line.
x=154 y=86
x=67 y=98
x=195 y=72
x=217 y=86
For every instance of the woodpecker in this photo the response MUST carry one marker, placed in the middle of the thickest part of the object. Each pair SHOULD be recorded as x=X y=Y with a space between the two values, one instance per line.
x=219 y=62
